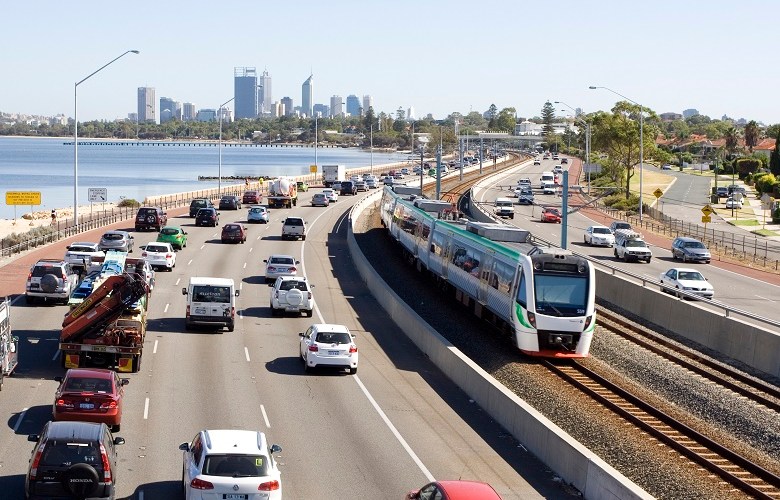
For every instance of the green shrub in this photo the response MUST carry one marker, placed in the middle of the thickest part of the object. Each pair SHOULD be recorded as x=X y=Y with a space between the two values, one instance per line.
x=129 y=202
x=36 y=233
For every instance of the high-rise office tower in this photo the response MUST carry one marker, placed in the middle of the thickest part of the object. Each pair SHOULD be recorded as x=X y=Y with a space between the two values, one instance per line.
x=167 y=109
x=146 y=109
x=353 y=105
x=336 y=106
x=368 y=102
x=264 y=97
x=321 y=110
x=287 y=102
x=245 y=92
x=307 y=95
x=188 y=112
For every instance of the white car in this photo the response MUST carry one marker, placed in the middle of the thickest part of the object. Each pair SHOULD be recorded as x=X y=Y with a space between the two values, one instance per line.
x=159 y=255
x=319 y=199
x=730 y=203
x=292 y=294
x=599 y=235
x=332 y=194
x=371 y=183
x=81 y=253
x=687 y=280
x=230 y=463
x=280 y=265
x=329 y=345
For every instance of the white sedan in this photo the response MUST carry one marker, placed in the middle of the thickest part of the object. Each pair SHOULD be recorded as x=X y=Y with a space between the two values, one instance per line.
x=81 y=253
x=732 y=203
x=332 y=195
x=687 y=280
x=599 y=235
x=160 y=255
x=329 y=345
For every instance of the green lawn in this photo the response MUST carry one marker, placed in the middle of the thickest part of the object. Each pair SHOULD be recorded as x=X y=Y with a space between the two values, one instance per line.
x=765 y=232
x=745 y=222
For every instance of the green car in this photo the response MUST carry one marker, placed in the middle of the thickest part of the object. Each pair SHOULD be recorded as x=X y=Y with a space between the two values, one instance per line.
x=174 y=235
x=302 y=186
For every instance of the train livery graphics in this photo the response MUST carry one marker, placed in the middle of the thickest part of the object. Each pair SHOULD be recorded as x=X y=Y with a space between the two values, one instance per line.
x=545 y=297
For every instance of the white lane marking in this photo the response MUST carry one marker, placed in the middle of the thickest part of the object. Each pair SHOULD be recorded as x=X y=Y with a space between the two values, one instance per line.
x=252 y=248
x=261 y=235
x=190 y=262
x=265 y=416
x=214 y=235
x=203 y=246
x=241 y=286
x=770 y=300
x=166 y=307
x=246 y=353
x=56 y=355
x=154 y=351
x=244 y=265
x=178 y=280
x=21 y=417
x=146 y=409
x=393 y=429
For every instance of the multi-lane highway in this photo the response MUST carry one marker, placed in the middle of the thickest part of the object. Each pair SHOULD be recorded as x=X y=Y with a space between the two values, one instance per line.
x=394 y=426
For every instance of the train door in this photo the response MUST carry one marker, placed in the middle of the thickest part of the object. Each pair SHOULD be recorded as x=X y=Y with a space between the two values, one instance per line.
x=486 y=271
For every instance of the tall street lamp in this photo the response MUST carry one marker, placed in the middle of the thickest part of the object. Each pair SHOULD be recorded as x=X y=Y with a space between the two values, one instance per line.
x=316 y=138
x=641 y=141
x=371 y=133
x=587 y=140
x=76 y=134
x=221 y=119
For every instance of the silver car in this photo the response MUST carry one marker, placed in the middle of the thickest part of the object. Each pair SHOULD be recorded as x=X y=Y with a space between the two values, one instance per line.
x=117 y=240
x=258 y=213
x=280 y=265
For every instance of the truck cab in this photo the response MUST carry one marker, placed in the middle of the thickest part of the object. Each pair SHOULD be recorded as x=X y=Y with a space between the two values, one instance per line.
x=504 y=208
x=629 y=246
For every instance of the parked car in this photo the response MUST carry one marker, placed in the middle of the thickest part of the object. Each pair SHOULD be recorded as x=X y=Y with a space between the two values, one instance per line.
x=117 y=240
x=619 y=225
x=80 y=254
x=722 y=191
x=90 y=395
x=332 y=194
x=174 y=235
x=229 y=202
x=690 y=249
x=51 y=279
x=330 y=346
x=258 y=213
x=280 y=265
x=251 y=197
x=199 y=203
x=348 y=187
x=550 y=214
x=207 y=217
x=233 y=233
x=150 y=218
x=319 y=200
x=232 y=464
x=666 y=166
x=733 y=203
x=292 y=294
x=687 y=280
x=599 y=235
x=72 y=460
x=294 y=228
x=454 y=490
x=159 y=255
x=302 y=186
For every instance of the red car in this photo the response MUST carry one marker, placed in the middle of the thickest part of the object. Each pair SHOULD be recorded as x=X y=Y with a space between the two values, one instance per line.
x=551 y=215
x=90 y=395
x=455 y=490
x=233 y=233
x=251 y=197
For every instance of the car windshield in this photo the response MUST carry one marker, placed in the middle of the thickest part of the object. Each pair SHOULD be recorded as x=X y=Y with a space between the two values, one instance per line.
x=601 y=230
x=156 y=248
x=60 y=452
x=79 y=384
x=112 y=236
x=235 y=465
x=334 y=338
x=290 y=284
x=693 y=244
x=256 y=210
x=209 y=293
x=690 y=276
x=169 y=231
x=635 y=243
x=282 y=260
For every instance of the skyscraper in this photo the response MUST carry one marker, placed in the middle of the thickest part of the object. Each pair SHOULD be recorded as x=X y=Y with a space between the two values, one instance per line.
x=146 y=109
x=353 y=105
x=368 y=102
x=188 y=112
x=264 y=97
x=287 y=102
x=245 y=92
x=321 y=110
x=307 y=95
x=336 y=106
x=169 y=109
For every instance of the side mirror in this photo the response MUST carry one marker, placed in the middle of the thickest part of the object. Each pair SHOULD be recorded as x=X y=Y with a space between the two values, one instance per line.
x=265 y=260
x=301 y=334
x=238 y=292
x=184 y=447
x=124 y=381
x=297 y=261
x=119 y=440
x=184 y=232
x=33 y=438
x=184 y=291
x=275 y=448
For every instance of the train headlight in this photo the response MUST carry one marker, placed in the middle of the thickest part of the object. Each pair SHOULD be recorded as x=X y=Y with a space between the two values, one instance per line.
x=587 y=321
x=532 y=319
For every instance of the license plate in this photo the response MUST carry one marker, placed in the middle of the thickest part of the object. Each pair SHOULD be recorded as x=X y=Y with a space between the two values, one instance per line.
x=34 y=285
x=334 y=353
x=234 y=496
x=86 y=406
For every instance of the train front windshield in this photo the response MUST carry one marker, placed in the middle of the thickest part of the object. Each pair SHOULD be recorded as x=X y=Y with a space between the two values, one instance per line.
x=561 y=295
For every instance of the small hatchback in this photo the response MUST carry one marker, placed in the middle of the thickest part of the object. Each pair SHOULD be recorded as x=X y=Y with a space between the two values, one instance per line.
x=455 y=490
x=259 y=214
x=251 y=197
x=117 y=240
x=329 y=345
x=233 y=233
x=174 y=235
x=319 y=199
x=90 y=395
x=207 y=217
x=280 y=265
x=229 y=203
x=690 y=249
x=160 y=255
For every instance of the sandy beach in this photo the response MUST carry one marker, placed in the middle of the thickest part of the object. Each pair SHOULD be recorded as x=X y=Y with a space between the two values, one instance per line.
x=30 y=220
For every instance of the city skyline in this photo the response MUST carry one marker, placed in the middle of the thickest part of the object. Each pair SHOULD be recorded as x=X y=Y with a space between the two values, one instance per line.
x=653 y=55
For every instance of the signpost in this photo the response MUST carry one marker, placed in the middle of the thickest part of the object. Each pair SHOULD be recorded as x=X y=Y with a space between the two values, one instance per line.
x=658 y=193
x=22 y=198
x=99 y=195
x=766 y=204
x=706 y=210
x=313 y=171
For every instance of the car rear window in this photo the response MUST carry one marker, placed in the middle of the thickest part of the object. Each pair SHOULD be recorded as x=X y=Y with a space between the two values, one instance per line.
x=87 y=384
x=63 y=453
x=74 y=248
x=198 y=203
x=169 y=231
x=210 y=293
x=290 y=284
x=112 y=236
x=293 y=221
x=232 y=228
x=206 y=211
x=235 y=465
x=147 y=211
x=334 y=338
x=282 y=260
x=156 y=248
x=40 y=271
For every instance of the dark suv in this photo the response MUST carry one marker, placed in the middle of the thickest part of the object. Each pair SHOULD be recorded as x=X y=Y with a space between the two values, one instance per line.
x=207 y=217
x=348 y=187
x=150 y=218
x=51 y=279
x=229 y=202
x=199 y=203
x=73 y=460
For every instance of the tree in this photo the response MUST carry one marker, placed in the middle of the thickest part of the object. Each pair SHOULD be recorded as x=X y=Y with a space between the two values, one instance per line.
x=751 y=135
x=491 y=115
x=505 y=121
x=548 y=116
x=400 y=114
x=369 y=119
x=774 y=157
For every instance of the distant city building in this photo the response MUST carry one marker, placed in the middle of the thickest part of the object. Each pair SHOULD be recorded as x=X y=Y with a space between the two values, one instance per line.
x=298 y=111
x=226 y=114
x=528 y=128
x=670 y=117
x=321 y=110
x=289 y=109
x=264 y=97
x=336 y=106
x=206 y=115
x=188 y=112
x=169 y=110
x=58 y=120
x=353 y=105
x=687 y=113
x=245 y=92
x=410 y=113
x=307 y=96
x=368 y=103
x=146 y=101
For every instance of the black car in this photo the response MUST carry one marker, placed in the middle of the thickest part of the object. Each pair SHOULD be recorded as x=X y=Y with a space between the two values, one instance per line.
x=207 y=217
x=229 y=203
x=199 y=203
x=73 y=460
x=150 y=218
x=348 y=187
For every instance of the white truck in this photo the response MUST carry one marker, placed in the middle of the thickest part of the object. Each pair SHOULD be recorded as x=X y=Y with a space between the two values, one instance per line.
x=333 y=173
x=9 y=345
x=504 y=208
x=283 y=193
x=629 y=245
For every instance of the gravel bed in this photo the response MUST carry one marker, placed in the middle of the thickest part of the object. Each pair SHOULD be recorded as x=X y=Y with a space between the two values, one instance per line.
x=660 y=471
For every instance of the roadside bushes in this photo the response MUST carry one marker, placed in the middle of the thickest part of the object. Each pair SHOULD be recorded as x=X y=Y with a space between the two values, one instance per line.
x=35 y=236
x=129 y=202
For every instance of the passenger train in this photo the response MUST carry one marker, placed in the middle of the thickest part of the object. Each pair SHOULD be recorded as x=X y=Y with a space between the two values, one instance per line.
x=544 y=297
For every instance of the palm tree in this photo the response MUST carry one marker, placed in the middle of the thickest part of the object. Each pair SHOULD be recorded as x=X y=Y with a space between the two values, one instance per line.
x=751 y=135
x=732 y=140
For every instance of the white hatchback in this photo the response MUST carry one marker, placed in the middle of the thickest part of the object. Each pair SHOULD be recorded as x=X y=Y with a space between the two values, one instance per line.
x=160 y=255
x=328 y=345
x=332 y=195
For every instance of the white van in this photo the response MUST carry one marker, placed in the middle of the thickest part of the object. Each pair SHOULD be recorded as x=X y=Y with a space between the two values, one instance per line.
x=504 y=208
x=546 y=177
x=549 y=187
x=210 y=301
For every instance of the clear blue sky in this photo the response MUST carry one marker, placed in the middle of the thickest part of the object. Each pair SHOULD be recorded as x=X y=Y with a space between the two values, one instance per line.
x=435 y=55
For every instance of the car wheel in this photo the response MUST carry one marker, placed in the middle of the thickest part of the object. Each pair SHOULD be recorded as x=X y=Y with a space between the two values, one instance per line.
x=187 y=324
x=137 y=229
x=353 y=371
x=231 y=327
x=303 y=238
x=309 y=312
x=648 y=259
x=306 y=367
x=625 y=257
x=615 y=252
x=684 y=258
x=115 y=428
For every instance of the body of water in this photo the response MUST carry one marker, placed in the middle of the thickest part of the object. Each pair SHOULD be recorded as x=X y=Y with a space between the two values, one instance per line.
x=46 y=165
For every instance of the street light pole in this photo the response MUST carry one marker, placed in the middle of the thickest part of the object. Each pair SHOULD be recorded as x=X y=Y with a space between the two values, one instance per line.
x=372 y=149
x=76 y=134
x=316 y=137
x=587 y=140
x=641 y=141
x=221 y=119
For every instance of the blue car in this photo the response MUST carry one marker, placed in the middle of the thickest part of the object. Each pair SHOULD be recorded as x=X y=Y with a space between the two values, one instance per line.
x=258 y=213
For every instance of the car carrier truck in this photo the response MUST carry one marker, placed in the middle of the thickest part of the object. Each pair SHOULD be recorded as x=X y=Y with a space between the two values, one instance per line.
x=9 y=345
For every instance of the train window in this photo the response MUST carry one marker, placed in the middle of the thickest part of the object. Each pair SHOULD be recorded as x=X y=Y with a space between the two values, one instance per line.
x=558 y=295
x=467 y=259
x=502 y=277
x=437 y=244
x=521 y=292
x=426 y=230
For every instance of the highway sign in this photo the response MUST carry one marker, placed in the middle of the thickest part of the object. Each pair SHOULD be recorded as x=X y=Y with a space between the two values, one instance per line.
x=593 y=168
x=313 y=169
x=22 y=197
x=706 y=218
x=98 y=195
x=706 y=210
x=658 y=193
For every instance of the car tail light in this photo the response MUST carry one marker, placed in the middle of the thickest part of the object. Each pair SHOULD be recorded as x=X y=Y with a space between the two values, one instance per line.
x=108 y=406
x=293 y=269
x=313 y=348
x=29 y=276
x=232 y=312
x=64 y=277
x=188 y=312
x=268 y=486
x=143 y=254
x=168 y=255
x=106 y=464
x=36 y=460
x=64 y=403
x=200 y=484
x=352 y=349
x=532 y=319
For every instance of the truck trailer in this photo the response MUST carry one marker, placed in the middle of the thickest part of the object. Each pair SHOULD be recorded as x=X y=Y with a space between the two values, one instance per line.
x=9 y=345
x=333 y=173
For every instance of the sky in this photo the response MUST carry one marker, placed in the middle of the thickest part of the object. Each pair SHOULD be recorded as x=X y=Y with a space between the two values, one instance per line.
x=437 y=56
